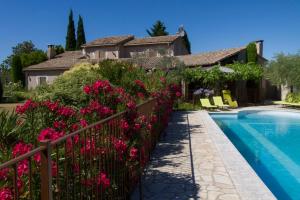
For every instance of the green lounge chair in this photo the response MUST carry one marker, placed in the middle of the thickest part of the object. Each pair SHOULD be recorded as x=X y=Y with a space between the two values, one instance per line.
x=206 y=104
x=219 y=102
x=228 y=99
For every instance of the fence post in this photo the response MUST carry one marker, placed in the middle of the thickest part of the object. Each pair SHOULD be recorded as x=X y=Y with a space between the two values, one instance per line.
x=46 y=171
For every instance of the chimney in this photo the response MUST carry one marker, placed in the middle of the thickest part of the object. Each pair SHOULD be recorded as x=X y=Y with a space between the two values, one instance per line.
x=181 y=31
x=51 y=51
x=259 y=47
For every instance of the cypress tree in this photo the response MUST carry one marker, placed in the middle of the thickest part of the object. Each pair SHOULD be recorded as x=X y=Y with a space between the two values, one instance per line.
x=80 y=33
x=71 y=39
x=158 y=29
x=1 y=91
x=251 y=52
x=16 y=69
x=186 y=42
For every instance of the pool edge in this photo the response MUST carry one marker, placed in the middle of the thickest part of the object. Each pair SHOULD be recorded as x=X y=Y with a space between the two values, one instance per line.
x=247 y=182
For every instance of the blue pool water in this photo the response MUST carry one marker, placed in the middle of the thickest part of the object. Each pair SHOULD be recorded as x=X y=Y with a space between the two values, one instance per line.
x=270 y=142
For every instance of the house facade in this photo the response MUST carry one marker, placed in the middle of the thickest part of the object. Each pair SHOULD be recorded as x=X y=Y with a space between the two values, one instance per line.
x=115 y=47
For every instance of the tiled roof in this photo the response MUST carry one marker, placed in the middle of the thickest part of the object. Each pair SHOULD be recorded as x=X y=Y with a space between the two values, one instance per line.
x=62 y=61
x=152 y=40
x=109 y=41
x=208 y=58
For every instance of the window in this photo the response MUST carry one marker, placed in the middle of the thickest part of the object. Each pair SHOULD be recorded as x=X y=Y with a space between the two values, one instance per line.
x=42 y=80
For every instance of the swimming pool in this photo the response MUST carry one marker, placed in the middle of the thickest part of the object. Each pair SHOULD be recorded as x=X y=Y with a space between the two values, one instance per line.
x=270 y=142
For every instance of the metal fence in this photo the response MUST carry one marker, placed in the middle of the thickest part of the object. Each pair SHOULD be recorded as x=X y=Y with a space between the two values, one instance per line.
x=77 y=165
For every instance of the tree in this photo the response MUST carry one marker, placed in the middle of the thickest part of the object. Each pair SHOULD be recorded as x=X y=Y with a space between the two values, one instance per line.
x=80 y=33
x=24 y=47
x=251 y=52
x=16 y=69
x=186 y=42
x=284 y=70
x=158 y=29
x=59 y=49
x=1 y=91
x=70 y=39
x=32 y=58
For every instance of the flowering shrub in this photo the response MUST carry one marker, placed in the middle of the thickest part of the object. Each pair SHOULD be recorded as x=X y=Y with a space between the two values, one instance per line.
x=51 y=120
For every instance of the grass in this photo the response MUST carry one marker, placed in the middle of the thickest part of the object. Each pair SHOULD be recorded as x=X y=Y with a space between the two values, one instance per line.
x=187 y=106
x=8 y=106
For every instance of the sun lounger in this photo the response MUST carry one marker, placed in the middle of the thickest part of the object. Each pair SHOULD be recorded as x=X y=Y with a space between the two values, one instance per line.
x=228 y=99
x=206 y=104
x=219 y=102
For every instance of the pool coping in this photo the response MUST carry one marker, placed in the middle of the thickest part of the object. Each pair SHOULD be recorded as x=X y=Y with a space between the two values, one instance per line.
x=247 y=182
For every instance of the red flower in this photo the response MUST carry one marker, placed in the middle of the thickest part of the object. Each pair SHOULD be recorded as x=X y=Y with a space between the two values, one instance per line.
x=83 y=123
x=5 y=194
x=103 y=180
x=141 y=95
x=52 y=106
x=124 y=125
x=66 y=111
x=3 y=174
x=140 y=83
x=21 y=148
x=137 y=126
x=59 y=124
x=178 y=94
x=28 y=105
x=131 y=105
x=37 y=158
x=163 y=79
x=49 y=134
x=120 y=146
x=133 y=153
x=22 y=168
x=87 y=89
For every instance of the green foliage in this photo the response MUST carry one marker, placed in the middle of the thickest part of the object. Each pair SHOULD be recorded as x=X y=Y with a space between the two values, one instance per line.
x=284 y=70
x=80 y=34
x=9 y=132
x=59 y=49
x=158 y=29
x=32 y=58
x=16 y=69
x=210 y=78
x=251 y=52
x=1 y=90
x=293 y=97
x=249 y=71
x=68 y=88
x=15 y=92
x=24 y=47
x=186 y=106
x=70 y=38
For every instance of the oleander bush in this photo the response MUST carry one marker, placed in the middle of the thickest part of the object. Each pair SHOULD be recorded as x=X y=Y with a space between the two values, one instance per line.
x=56 y=112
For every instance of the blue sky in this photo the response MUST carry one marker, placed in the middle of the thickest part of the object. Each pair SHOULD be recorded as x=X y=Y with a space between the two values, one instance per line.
x=211 y=24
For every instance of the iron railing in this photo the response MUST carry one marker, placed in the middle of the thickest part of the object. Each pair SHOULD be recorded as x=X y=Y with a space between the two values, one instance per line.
x=75 y=165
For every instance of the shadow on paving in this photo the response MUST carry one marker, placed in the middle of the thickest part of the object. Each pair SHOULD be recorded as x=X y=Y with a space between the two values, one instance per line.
x=170 y=174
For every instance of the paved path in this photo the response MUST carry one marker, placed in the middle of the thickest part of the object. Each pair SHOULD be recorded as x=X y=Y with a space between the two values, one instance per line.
x=186 y=164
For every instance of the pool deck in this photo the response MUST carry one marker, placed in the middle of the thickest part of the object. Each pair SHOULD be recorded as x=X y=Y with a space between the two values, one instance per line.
x=195 y=160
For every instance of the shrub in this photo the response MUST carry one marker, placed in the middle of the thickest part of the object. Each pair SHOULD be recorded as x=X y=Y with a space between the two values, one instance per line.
x=293 y=97
x=251 y=52
x=14 y=92
x=1 y=91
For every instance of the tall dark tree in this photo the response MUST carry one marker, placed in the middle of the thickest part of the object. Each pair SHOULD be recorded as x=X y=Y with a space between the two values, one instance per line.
x=1 y=90
x=80 y=33
x=71 y=39
x=158 y=29
x=16 y=69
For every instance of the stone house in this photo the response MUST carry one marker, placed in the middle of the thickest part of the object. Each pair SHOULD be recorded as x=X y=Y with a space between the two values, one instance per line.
x=115 y=47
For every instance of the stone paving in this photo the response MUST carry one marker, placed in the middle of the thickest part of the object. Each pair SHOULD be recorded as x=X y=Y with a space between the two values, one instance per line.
x=185 y=165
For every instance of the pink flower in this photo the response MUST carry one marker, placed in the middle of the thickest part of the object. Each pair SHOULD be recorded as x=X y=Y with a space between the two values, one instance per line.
x=49 y=134
x=74 y=127
x=66 y=111
x=37 y=158
x=22 y=168
x=52 y=106
x=3 y=174
x=133 y=153
x=140 y=95
x=124 y=125
x=163 y=79
x=131 y=105
x=137 y=126
x=88 y=146
x=178 y=94
x=59 y=124
x=5 y=194
x=21 y=148
x=83 y=123
x=120 y=146
x=140 y=83
x=103 y=180
x=87 y=89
